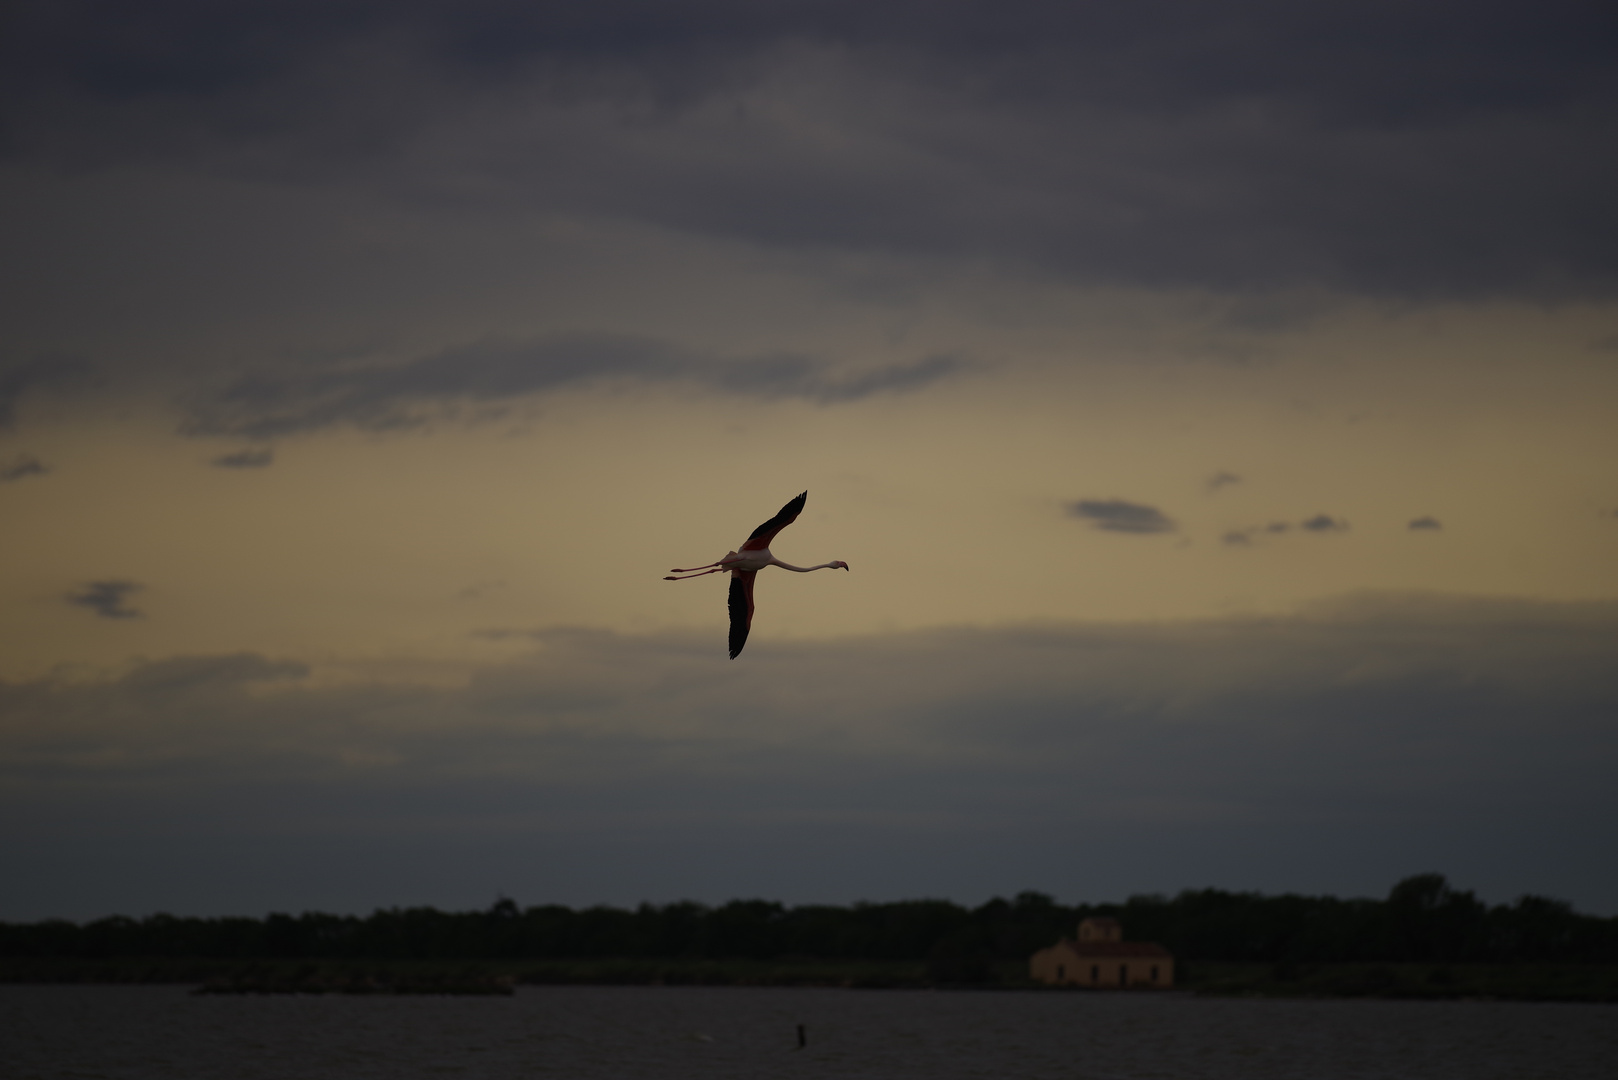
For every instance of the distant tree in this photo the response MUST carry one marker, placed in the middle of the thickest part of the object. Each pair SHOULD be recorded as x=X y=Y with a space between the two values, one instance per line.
x=960 y=956
x=1422 y=919
x=1428 y=920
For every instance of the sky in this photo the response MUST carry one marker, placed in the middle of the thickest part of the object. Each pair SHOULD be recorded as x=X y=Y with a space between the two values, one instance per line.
x=1217 y=406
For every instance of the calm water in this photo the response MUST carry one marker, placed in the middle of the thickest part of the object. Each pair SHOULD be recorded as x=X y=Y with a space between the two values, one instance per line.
x=627 y=1033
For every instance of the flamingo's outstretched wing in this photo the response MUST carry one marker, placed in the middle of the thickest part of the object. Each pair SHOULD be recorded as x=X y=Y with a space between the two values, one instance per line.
x=766 y=532
x=741 y=609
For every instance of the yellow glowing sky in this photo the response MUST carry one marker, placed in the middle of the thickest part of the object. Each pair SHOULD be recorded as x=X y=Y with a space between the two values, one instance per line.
x=948 y=500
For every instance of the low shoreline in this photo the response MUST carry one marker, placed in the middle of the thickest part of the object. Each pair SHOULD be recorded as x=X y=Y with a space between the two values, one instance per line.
x=1505 y=982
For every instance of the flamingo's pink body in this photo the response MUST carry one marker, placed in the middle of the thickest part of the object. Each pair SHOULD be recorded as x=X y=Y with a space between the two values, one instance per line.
x=744 y=566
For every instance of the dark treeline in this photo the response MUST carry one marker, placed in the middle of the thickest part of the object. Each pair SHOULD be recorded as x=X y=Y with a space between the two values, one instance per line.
x=1423 y=919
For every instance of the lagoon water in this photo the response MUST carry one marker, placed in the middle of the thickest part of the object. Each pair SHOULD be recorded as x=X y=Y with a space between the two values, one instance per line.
x=626 y=1033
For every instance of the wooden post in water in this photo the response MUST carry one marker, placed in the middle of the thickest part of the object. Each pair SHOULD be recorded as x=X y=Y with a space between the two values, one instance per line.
x=803 y=1037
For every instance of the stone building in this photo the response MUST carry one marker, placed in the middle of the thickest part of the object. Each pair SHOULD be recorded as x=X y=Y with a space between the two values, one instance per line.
x=1100 y=957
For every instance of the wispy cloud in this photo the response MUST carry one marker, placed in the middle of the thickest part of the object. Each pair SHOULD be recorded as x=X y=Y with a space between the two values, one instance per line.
x=245 y=459
x=1221 y=479
x=1424 y=523
x=414 y=393
x=107 y=598
x=186 y=674
x=1120 y=515
x=54 y=369
x=1320 y=523
x=1323 y=523
x=21 y=466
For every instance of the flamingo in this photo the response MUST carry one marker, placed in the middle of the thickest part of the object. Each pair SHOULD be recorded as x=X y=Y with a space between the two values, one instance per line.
x=744 y=566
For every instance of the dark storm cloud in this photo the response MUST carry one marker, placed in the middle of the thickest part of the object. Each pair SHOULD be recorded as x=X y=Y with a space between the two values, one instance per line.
x=245 y=459
x=1405 y=730
x=413 y=393
x=21 y=466
x=107 y=598
x=1117 y=515
x=1445 y=148
x=1425 y=523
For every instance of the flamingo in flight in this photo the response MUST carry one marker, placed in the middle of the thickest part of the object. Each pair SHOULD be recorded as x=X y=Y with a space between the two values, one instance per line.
x=744 y=566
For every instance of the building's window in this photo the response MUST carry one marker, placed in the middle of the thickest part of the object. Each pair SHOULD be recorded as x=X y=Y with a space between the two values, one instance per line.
x=1095 y=973
x=1154 y=972
x=1061 y=972
x=1123 y=974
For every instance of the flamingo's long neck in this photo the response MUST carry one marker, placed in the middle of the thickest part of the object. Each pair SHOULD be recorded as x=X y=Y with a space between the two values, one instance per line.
x=800 y=569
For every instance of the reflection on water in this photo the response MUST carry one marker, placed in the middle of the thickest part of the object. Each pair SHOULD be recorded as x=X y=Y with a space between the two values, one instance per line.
x=629 y=1032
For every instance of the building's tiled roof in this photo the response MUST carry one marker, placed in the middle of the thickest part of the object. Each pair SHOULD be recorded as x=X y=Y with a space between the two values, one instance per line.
x=1110 y=950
